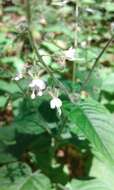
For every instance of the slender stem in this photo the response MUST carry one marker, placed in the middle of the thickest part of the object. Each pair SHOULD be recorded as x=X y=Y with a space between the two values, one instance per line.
x=37 y=53
x=28 y=12
x=75 y=44
x=61 y=125
x=76 y=25
x=96 y=62
x=73 y=75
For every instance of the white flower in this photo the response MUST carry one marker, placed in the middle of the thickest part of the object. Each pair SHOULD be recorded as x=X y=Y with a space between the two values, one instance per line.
x=39 y=93
x=37 y=86
x=37 y=83
x=70 y=54
x=56 y=103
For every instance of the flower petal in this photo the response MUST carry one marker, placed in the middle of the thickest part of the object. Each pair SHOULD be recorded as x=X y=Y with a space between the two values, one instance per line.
x=52 y=104
x=33 y=95
x=41 y=84
x=58 y=102
x=39 y=93
x=55 y=103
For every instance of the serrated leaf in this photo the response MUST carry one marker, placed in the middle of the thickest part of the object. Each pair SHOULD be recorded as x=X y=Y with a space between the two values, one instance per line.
x=97 y=125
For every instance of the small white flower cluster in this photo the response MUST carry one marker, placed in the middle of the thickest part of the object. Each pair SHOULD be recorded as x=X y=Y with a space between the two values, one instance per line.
x=37 y=86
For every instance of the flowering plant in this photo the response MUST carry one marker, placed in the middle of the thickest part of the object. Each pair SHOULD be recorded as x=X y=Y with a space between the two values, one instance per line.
x=56 y=95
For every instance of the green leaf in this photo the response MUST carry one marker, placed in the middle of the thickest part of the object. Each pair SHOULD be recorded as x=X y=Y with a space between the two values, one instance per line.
x=35 y=181
x=87 y=185
x=35 y=117
x=97 y=125
x=109 y=6
x=13 y=171
x=7 y=138
x=103 y=172
x=50 y=46
x=108 y=84
x=3 y=101
x=15 y=61
x=9 y=87
x=60 y=28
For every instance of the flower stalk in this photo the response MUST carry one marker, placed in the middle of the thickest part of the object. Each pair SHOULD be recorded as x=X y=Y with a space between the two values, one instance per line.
x=75 y=45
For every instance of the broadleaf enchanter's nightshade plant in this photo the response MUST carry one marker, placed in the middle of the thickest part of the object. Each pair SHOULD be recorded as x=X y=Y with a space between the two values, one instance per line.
x=65 y=130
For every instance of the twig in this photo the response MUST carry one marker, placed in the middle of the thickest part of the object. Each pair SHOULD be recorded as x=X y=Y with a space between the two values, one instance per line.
x=96 y=62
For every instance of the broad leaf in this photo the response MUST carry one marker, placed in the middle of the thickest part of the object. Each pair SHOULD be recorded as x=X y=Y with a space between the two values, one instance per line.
x=103 y=172
x=87 y=185
x=108 y=84
x=3 y=101
x=97 y=125
x=35 y=181
x=9 y=87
